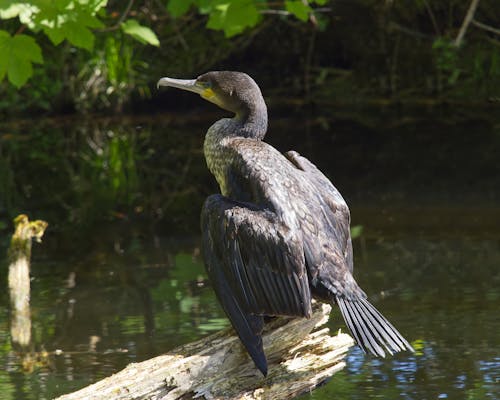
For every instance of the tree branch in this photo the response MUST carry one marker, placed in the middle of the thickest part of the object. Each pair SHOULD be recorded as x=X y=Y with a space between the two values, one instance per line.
x=432 y=17
x=120 y=20
x=485 y=27
x=466 y=22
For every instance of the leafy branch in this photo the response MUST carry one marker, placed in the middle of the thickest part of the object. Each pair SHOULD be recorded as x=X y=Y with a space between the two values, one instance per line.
x=72 y=20
x=235 y=16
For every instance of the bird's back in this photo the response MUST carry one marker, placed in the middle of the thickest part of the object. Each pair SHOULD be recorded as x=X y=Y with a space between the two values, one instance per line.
x=303 y=199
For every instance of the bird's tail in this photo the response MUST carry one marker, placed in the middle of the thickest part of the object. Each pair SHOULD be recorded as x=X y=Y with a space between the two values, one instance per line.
x=372 y=331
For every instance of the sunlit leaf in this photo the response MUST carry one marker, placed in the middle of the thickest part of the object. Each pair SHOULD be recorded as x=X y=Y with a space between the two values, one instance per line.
x=4 y=48
x=298 y=8
x=205 y=6
x=19 y=52
x=233 y=17
x=20 y=71
x=56 y=36
x=79 y=35
x=141 y=33
x=25 y=46
x=12 y=9
x=62 y=20
x=218 y=16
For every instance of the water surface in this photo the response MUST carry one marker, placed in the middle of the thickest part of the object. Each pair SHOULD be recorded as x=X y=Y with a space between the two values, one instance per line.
x=119 y=279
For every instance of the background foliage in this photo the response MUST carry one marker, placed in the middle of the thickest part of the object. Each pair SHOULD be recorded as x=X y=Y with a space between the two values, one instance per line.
x=89 y=55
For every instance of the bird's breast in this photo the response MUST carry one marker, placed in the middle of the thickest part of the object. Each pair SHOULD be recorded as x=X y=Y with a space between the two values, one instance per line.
x=219 y=159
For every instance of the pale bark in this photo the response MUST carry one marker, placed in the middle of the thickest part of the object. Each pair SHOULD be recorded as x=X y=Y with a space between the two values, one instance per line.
x=301 y=355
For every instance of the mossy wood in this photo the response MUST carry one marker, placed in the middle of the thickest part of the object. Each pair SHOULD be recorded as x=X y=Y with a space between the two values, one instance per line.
x=19 y=278
x=301 y=355
x=24 y=232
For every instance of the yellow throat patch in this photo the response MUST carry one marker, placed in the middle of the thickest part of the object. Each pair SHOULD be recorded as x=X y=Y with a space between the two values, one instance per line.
x=208 y=94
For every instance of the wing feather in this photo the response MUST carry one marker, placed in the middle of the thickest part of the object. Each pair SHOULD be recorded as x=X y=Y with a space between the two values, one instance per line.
x=334 y=211
x=256 y=265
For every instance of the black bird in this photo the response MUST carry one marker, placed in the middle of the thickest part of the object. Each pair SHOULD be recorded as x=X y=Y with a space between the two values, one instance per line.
x=278 y=234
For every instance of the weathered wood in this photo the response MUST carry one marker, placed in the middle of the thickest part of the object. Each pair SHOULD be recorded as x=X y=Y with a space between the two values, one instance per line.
x=301 y=355
x=19 y=278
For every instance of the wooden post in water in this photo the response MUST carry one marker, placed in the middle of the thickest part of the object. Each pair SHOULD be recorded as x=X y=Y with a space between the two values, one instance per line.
x=19 y=278
x=301 y=355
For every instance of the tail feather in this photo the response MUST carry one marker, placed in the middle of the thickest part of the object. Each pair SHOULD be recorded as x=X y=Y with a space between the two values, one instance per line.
x=361 y=331
x=370 y=328
x=347 y=318
x=398 y=339
x=380 y=325
x=370 y=332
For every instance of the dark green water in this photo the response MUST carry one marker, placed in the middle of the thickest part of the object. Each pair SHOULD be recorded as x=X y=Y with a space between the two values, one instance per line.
x=118 y=277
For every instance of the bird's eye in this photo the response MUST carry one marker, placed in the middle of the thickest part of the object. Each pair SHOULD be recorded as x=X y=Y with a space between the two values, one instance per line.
x=204 y=84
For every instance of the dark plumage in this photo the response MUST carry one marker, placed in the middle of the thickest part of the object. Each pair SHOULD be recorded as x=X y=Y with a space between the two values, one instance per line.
x=279 y=232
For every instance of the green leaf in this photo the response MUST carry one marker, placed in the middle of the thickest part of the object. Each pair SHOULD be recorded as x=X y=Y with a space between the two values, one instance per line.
x=233 y=17
x=56 y=36
x=71 y=20
x=177 y=8
x=25 y=46
x=141 y=33
x=217 y=16
x=79 y=35
x=20 y=71
x=11 y=8
x=206 y=6
x=298 y=8
x=18 y=54
x=4 y=48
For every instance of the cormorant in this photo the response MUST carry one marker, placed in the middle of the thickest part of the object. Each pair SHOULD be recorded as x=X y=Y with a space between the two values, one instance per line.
x=278 y=234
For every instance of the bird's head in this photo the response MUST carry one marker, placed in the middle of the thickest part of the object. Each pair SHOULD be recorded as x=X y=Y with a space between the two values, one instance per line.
x=233 y=91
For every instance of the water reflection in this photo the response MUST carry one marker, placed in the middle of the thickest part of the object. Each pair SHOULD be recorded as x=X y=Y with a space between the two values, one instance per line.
x=119 y=278
x=454 y=334
x=122 y=309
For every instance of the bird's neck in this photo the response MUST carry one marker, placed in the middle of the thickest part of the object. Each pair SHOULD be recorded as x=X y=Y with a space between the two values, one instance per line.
x=250 y=124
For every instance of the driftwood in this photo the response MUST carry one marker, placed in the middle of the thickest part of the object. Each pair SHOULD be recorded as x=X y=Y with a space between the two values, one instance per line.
x=301 y=355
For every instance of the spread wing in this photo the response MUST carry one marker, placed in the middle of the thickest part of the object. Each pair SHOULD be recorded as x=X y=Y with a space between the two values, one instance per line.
x=256 y=265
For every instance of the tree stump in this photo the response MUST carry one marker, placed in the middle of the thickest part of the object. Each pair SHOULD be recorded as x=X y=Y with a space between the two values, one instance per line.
x=301 y=355
x=19 y=278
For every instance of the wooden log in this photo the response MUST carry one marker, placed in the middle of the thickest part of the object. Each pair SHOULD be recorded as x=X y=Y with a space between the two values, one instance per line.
x=300 y=352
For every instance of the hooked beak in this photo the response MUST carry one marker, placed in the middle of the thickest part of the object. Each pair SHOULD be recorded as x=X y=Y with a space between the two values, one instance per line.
x=192 y=85
x=184 y=84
